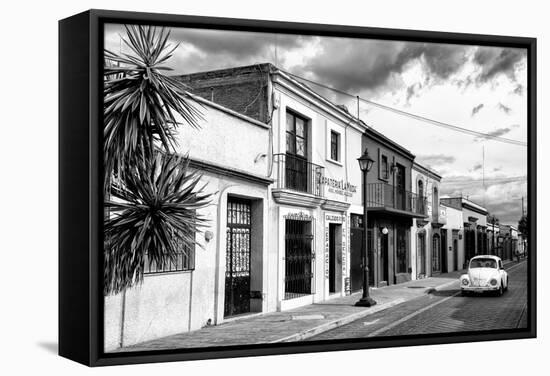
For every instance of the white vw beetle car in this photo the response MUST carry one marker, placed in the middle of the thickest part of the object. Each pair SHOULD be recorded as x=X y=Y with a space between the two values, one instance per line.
x=485 y=273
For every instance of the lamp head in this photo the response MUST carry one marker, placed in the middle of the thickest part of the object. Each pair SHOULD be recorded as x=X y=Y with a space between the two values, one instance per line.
x=365 y=161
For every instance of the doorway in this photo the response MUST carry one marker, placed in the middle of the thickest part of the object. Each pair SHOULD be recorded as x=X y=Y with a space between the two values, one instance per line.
x=421 y=255
x=298 y=258
x=356 y=250
x=335 y=258
x=384 y=259
x=436 y=254
x=444 y=262
x=237 y=257
x=455 y=253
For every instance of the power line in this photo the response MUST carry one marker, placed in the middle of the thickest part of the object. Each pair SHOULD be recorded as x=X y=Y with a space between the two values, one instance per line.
x=512 y=179
x=414 y=116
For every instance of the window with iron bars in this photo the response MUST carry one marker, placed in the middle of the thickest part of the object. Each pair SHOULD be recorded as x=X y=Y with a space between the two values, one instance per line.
x=184 y=260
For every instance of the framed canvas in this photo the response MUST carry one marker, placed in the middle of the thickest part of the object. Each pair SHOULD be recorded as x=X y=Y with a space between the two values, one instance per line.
x=234 y=187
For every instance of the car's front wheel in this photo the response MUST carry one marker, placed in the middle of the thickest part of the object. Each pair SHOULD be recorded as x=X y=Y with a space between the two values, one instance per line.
x=500 y=290
x=507 y=281
x=464 y=293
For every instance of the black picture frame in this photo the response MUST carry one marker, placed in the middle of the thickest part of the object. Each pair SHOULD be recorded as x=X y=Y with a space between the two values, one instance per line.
x=81 y=201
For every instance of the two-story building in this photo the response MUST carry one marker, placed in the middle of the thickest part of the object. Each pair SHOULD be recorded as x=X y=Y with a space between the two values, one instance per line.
x=428 y=238
x=393 y=208
x=228 y=272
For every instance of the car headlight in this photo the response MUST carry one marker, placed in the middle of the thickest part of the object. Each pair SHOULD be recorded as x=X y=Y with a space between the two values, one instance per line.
x=493 y=282
x=465 y=282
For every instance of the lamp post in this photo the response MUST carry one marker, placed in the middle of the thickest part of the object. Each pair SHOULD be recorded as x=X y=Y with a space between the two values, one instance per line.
x=365 y=164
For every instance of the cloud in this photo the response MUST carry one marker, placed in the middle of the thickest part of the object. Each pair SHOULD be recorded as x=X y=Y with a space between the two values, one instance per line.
x=496 y=133
x=355 y=65
x=235 y=43
x=204 y=49
x=501 y=196
x=504 y=108
x=477 y=108
x=495 y=61
x=436 y=159
x=413 y=90
x=477 y=167
x=519 y=89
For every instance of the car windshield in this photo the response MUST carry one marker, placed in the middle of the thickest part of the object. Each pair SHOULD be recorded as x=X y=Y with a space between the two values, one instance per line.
x=483 y=263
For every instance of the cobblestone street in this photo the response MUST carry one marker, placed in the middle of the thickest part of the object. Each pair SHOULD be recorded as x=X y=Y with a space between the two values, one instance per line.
x=445 y=311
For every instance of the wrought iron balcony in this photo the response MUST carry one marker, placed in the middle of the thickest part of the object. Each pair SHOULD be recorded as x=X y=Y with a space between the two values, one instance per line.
x=386 y=196
x=297 y=174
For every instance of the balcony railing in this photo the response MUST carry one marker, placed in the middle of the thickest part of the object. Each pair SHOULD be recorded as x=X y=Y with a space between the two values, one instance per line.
x=298 y=174
x=389 y=196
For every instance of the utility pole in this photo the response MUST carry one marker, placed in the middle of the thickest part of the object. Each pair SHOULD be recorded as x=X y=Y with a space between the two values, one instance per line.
x=494 y=234
x=483 y=174
x=522 y=210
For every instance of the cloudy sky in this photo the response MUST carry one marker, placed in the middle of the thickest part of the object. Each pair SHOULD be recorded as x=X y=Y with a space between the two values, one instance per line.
x=478 y=88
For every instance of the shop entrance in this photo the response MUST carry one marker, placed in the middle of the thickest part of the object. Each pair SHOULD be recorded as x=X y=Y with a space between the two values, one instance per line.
x=356 y=250
x=335 y=258
x=298 y=258
x=237 y=257
x=384 y=259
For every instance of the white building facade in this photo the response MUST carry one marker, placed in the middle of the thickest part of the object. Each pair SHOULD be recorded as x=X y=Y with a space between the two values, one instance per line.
x=429 y=242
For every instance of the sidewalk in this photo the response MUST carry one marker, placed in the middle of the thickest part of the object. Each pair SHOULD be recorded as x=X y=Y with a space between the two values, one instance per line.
x=299 y=323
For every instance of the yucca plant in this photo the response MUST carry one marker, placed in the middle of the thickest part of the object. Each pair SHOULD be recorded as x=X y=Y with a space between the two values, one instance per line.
x=141 y=101
x=151 y=197
x=153 y=212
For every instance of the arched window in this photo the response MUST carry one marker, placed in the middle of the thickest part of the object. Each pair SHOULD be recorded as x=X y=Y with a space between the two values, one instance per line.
x=420 y=196
x=435 y=204
x=420 y=190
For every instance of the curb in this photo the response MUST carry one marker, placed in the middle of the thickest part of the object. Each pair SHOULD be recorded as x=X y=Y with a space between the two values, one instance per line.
x=338 y=322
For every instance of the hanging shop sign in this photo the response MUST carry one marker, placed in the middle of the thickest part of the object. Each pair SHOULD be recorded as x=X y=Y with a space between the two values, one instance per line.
x=340 y=187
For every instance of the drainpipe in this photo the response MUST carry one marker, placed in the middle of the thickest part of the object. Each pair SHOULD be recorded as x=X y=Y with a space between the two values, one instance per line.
x=122 y=318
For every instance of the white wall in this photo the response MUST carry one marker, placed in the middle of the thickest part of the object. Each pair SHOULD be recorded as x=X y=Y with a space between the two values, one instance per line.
x=226 y=140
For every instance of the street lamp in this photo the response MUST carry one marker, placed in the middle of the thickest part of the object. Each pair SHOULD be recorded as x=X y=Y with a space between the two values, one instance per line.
x=365 y=164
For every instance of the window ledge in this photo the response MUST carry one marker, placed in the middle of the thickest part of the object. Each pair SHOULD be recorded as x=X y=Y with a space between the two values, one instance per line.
x=338 y=163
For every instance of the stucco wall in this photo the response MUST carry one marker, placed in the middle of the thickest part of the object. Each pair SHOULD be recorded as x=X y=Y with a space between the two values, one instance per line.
x=226 y=140
x=455 y=221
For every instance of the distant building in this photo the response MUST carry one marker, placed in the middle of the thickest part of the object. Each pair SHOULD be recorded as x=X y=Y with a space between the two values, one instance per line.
x=475 y=225
x=493 y=233
x=455 y=231
x=509 y=239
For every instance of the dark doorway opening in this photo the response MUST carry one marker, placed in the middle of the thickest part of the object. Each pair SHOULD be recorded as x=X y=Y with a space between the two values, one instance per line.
x=356 y=249
x=298 y=257
x=384 y=259
x=237 y=257
x=335 y=258
x=444 y=262
x=421 y=262
x=455 y=253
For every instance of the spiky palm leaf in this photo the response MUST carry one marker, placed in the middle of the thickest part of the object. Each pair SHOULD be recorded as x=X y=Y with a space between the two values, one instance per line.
x=140 y=101
x=153 y=212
